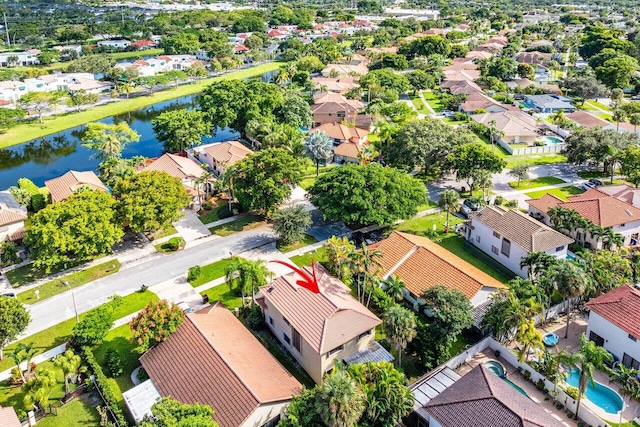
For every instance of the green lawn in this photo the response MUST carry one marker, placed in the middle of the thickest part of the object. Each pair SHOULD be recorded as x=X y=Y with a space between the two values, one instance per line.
x=433 y=101
x=60 y=333
x=455 y=245
x=453 y=122
x=28 y=273
x=419 y=225
x=137 y=54
x=167 y=248
x=222 y=293
x=417 y=102
x=563 y=192
x=211 y=272
x=13 y=396
x=215 y=213
x=427 y=205
x=168 y=230
x=74 y=280
x=535 y=183
x=535 y=160
x=309 y=177
x=241 y=224
x=595 y=105
x=78 y=412
x=319 y=255
x=27 y=131
x=306 y=241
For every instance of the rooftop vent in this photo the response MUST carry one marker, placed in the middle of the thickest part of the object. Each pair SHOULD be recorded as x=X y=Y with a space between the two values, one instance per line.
x=628 y=212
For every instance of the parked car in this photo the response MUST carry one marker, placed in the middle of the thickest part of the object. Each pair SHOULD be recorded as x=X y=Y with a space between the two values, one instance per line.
x=469 y=206
x=596 y=182
x=635 y=97
x=447 y=113
x=587 y=186
x=9 y=294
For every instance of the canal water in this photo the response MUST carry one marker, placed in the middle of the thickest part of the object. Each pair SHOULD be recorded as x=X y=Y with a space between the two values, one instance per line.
x=51 y=156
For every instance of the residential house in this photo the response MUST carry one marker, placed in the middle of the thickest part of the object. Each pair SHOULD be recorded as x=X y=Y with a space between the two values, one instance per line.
x=523 y=84
x=549 y=103
x=587 y=120
x=64 y=186
x=478 y=54
x=347 y=141
x=319 y=329
x=516 y=126
x=461 y=71
x=183 y=168
x=12 y=217
x=535 y=58
x=597 y=207
x=71 y=83
x=179 y=62
x=144 y=44
x=24 y=58
x=336 y=85
x=509 y=235
x=479 y=101
x=479 y=398
x=220 y=155
x=423 y=264
x=213 y=359
x=146 y=67
x=344 y=70
x=458 y=86
x=11 y=91
x=331 y=107
x=114 y=44
x=614 y=323
x=278 y=34
x=8 y=417
x=622 y=192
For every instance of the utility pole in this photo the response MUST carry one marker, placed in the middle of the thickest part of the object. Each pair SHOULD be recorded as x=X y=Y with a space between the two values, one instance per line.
x=6 y=28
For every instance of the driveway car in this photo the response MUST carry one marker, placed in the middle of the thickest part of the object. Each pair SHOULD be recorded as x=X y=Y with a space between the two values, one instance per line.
x=596 y=182
x=587 y=185
x=469 y=206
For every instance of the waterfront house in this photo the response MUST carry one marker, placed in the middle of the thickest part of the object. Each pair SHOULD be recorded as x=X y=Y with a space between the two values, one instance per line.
x=220 y=155
x=12 y=217
x=64 y=186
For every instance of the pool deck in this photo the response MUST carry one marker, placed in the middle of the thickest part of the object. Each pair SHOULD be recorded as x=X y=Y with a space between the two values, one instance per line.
x=577 y=327
x=516 y=377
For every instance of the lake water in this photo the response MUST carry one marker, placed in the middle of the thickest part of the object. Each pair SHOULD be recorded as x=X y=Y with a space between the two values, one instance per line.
x=51 y=156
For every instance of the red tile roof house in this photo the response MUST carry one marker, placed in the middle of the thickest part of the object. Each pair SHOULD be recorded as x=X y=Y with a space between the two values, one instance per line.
x=320 y=329
x=213 y=359
x=614 y=323
x=334 y=108
x=598 y=207
x=183 y=168
x=12 y=217
x=64 y=186
x=348 y=141
x=220 y=155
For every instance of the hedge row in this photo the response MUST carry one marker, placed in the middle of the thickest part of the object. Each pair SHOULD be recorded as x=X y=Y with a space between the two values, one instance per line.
x=104 y=386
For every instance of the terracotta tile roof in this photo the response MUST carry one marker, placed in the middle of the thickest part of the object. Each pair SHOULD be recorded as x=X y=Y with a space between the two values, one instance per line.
x=64 y=186
x=176 y=166
x=342 y=132
x=478 y=100
x=423 y=264
x=521 y=229
x=8 y=417
x=479 y=54
x=214 y=360
x=325 y=320
x=534 y=58
x=340 y=84
x=11 y=211
x=456 y=86
x=587 y=120
x=622 y=192
x=350 y=149
x=545 y=202
x=329 y=97
x=18 y=235
x=228 y=152
x=512 y=122
x=620 y=306
x=482 y=399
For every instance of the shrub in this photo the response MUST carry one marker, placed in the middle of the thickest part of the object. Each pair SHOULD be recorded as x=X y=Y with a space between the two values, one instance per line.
x=527 y=375
x=114 y=364
x=143 y=288
x=38 y=202
x=539 y=143
x=254 y=317
x=175 y=243
x=207 y=206
x=499 y=200
x=142 y=375
x=559 y=405
x=512 y=204
x=540 y=384
x=9 y=254
x=573 y=392
x=461 y=117
x=193 y=273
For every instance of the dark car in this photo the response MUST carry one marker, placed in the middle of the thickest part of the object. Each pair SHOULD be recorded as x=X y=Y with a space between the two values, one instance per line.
x=8 y=294
x=596 y=182
x=469 y=206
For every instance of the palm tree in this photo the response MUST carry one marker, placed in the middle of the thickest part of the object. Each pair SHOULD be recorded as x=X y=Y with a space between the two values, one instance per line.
x=395 y=287
x=367 y=154
x=570 y=281
x=318 y=146
x=69 y=363
x=39 y=388
x=493 y=133
x=283 y=77
x=340 y=401
x=399 y=325
x=125 y=87
x=634 y=119
x=588 y=358
x=202 y=182
x=367 y=265
x=530 y=340
x=385 y=131
x=618 y=115
x=449 y=202
x=247 y=275
x=537 y=262
x=611 y=239
x=628 y=384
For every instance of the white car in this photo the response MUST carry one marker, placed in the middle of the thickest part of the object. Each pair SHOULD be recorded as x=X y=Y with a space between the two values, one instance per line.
x=587 y=185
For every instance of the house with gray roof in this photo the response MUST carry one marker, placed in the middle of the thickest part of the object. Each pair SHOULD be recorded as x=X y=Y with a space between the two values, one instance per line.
x=549 y=103
x=509 y=235
x=12 y=217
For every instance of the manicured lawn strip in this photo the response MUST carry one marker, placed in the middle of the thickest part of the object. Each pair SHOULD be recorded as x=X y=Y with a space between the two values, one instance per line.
x=168 y=230
x=60 y=333
x=597 y=104
x=433 y=101
x=453 y=122
x=241 y=224
x=211 y=272
x=74 y=280
x=215 y=213
x=455 y=244
x=306 y=241
x=536 y=160
x=222 y=293
x=420 y=225
x=13 y=395
x=428 y=205
x=563 y=192
x=137 y=54
x=27 y=131
x=319 y=255
x=417 y=102
x=78 y=412
x=309 y=177
x=28 y=273
x=543 y=181
x=166 y=247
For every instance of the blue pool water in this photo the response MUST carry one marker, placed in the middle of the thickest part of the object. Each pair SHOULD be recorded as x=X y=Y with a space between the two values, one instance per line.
x=552 y=140
x=517 y=387
x=570 y=256
x=497 y=368
x=598 y=394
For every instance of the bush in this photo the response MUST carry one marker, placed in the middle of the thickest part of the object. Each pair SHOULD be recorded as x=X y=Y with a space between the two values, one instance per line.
x=9 y=254
x=207 y=206
x=254 y=317
x=38 y=202
x=142 y=375
x=193 y=273
x=499 y=200
x=512 y=204
x=114 y=363
x=540 y=384
x=461 y=117
x=539 y=143
x=527 y=375
x=175 y=243
x=573 y=392
x=559 y=405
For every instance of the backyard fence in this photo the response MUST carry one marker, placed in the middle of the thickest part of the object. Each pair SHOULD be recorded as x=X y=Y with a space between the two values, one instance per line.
x=556 y=148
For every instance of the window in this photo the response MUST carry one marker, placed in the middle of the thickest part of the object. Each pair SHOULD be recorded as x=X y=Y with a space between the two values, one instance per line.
x=506 y=247
x=413 y=296
x=286 y=321
x=496 y=235
x=478 y=238
x=364 y=334
x=271 y=320
x=494 y=249
x=295 y=335
x=286 y=338
x=341 y=113
x=559 y=248
x=596 y=339
x=335 y=350
x=579 y=236
x=632 y=338
x=272 y=423
x=630 y=362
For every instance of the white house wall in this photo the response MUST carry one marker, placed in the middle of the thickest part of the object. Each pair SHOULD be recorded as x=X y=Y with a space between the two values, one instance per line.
x=265 y=413
x=616 y=341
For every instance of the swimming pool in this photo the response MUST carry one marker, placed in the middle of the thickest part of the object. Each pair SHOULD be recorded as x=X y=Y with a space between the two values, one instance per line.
x=600 y=395
x=551 y=140
x=571 y=256
x=498 y=369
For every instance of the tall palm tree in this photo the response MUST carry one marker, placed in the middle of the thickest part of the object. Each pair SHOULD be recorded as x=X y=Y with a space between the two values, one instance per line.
x=69 y=363
x=530 y=340
x=367 y=264
x=340 y=401
x=385 y=131
x=399 y=325
x=202 y=182
x=395 y=287
x=283 y=77
x=449 y=202
x=634 y=119
x=318 y=146
x=537 y=262
x=628 y=384
x=588 y=358
x=246 y=275
x=570 y=281
x=367 y=154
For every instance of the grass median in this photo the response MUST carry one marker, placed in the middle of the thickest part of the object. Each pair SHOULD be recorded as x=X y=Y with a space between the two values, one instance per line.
x=27 y=131
x=74 y=280
x=211 y=272
x=241 y=224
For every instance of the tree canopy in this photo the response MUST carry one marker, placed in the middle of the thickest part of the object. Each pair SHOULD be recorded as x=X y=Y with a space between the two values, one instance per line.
x=14 y=318
x=181 y=129
x=168 y=412
x=155 y=323
x=367 y=194
x=109 y=140
x=471 y=161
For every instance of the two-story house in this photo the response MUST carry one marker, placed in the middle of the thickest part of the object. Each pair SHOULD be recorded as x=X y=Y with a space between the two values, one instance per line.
x=509 y=235
x=65 y=185
x=220 y=155
x=329 y=107
x=319 y=329
x=183 y=168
